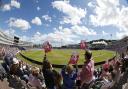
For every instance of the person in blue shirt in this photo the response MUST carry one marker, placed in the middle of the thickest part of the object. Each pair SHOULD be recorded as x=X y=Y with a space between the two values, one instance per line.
x=69 y=75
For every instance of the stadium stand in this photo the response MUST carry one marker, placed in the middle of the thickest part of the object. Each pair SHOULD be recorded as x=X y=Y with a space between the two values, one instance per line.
x=119 y=45
x=7 y=40
x=103 y=77
x=17 y=74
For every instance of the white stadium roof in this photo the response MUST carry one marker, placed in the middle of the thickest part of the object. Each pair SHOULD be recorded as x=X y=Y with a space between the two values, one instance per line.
x=100 y=42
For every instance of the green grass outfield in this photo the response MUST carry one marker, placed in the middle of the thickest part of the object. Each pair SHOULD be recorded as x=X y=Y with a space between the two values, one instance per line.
x=62 y=56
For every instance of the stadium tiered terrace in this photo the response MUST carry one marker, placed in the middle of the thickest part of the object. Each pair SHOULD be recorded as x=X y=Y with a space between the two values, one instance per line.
x=8 y=40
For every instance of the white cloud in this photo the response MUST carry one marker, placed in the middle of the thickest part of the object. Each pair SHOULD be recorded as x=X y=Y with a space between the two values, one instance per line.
x=36 y=21
x=9 y=32
x=60 y=34
x=47 y=18
x=9 y=6
x=120 y=35
x=123 y=19
x=91 y=4
x=38 y=8
x=25 y=38
x=38 y=37
x=73 y=15
x=82 y=30
x=66 y=35
x=15 y=4
x=106 y=13
x=104 y=33
x=6 y=7
x=19 y=23
x=55 y=37
x=110 y=12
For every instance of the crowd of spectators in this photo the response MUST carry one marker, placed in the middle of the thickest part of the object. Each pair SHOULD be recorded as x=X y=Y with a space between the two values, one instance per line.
x=111 y=75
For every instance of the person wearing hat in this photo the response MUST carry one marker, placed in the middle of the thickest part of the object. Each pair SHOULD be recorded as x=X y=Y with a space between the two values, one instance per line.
x=86 y=74
x=14 y=67
x=69 y=76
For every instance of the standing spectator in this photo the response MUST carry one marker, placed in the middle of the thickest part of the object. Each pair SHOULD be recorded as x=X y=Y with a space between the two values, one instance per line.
x=69 y=76
x=125 y=60
x=105 y=72
x=57 y=79
x=117 y=71
x=86 y=74
x=49 y=75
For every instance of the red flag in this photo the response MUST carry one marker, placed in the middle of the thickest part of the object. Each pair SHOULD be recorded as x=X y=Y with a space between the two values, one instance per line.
x=74 y=58
x=47 y=46
x=83 y=45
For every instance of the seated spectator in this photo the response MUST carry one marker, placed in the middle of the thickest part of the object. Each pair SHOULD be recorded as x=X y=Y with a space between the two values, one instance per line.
x=17 y=69
x=125 y=86
x=99 y=71
x=14 y=67
x=7 y=62
x=86 y=74
x=8 y=59
x=2 y=52
x=96 y=74
x=26 y=68
x=108 y=82
x=69 y=77
x=20 y=71
x=33 y=79
x=41 y=78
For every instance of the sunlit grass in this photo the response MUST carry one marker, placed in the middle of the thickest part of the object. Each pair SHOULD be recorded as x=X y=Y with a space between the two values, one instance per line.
x=62 y=56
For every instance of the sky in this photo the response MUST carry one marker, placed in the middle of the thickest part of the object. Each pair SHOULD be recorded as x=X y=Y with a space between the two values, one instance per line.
x=64 y=21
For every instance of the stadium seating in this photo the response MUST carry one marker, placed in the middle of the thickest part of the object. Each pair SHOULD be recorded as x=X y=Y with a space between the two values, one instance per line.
x=19 y=76
x=7 y=40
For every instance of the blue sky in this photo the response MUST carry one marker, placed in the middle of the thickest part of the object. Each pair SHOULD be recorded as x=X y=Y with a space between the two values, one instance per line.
x=68 y=21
